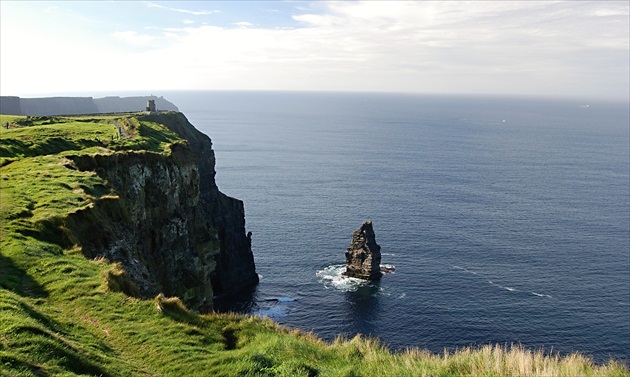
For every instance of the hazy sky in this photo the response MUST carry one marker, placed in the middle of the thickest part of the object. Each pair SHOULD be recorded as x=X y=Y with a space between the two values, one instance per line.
x=563 y=48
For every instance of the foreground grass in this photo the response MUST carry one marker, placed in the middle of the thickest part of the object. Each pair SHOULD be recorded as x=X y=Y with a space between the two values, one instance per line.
x=60 y=314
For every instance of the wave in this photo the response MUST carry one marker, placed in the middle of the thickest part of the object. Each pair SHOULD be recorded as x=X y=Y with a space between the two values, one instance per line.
x=388 y=268
x=517 y=290
x=540 y=294
x=504 y=287
x=272 y=312
x=332 y=277
x=465 y=270
x=274 y=307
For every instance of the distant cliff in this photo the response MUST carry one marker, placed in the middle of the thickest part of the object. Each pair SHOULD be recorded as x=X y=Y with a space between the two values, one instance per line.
x=78 y=105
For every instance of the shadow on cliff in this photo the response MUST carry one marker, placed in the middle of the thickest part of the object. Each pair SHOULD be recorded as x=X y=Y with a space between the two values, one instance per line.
x=241 y=302
x=16 y=279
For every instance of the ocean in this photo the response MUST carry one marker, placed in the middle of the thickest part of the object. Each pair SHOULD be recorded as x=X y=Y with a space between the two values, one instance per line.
x=507 y=219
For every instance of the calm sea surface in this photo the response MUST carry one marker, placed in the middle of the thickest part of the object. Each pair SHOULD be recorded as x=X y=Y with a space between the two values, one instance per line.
x=507 y=220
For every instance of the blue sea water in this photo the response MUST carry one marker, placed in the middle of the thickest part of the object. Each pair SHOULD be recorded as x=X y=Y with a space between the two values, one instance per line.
x=507 y=219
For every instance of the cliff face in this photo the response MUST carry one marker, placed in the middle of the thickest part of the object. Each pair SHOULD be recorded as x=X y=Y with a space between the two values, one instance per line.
x=166 y=222
x=126 y=104
x=78 y=105
x=10 y=105
x=235 y=263
x=57 y=105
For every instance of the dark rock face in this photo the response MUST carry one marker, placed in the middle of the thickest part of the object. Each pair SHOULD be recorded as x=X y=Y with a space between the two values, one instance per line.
x=166 y=221
x=363 y=256
x=235 y=262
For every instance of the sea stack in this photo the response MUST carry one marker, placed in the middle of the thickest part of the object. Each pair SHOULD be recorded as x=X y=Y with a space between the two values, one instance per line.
x=363 y=256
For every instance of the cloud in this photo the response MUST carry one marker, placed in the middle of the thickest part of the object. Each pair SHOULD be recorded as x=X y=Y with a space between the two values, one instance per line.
x=181 y=10
x=188 y=22
x=243 y=24
x=133 y=38
x=530 y=48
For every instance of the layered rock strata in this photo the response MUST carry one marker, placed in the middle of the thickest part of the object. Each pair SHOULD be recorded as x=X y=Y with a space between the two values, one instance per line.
x=166 y=221
x=363 y=256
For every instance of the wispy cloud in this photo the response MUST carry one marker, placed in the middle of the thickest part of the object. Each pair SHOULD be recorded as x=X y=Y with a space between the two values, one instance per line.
x=243 y=24
x=67 y=11
x=181 y=10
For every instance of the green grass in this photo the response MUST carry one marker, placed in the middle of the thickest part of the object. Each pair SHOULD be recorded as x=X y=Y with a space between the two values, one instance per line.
x=62 y=314
x=39 y=136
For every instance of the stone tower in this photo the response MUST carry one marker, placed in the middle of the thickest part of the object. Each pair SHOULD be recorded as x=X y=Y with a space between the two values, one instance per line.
x=151 y=106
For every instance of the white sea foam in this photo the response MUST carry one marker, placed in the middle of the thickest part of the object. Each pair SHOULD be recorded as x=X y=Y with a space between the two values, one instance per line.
x=465 y=270
x=332 y=277
x=275 y=307
x=277 y=311
x=540 y=294
x=502 y=286
x=388 y=268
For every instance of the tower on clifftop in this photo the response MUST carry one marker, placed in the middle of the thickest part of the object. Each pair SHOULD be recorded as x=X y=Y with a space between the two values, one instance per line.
x=151 y=106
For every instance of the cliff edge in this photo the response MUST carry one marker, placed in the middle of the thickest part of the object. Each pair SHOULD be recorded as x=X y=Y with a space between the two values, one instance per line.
x=49 y=106
x=147 y=202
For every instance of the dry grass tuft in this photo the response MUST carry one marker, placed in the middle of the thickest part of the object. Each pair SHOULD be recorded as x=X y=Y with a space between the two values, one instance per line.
x=117 y=280
x=165 y=304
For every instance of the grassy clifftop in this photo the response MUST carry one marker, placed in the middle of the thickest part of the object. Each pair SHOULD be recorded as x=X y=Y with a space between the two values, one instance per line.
x=62 y=314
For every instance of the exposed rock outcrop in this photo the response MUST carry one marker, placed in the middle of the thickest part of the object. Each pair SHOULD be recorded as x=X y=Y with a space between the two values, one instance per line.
x=363 y=256
x=166 y=221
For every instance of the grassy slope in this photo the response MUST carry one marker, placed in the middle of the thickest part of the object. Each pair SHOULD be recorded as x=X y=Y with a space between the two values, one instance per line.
x=60 y=313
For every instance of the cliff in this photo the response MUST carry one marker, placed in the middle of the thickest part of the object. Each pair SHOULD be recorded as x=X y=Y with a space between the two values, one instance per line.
x=79 y=105
x=10 y=105
x=155 y=208
x=235 y=264
x=126 y=104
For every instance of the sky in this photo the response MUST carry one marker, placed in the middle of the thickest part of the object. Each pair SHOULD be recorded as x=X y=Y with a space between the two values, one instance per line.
x=529 y=48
